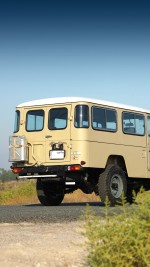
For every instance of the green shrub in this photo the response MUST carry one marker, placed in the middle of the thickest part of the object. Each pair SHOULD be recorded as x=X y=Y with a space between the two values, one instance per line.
x=121 y=239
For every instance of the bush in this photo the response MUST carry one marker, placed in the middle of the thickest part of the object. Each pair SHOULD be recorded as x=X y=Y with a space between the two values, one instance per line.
x=120 y=240
x=17 y=192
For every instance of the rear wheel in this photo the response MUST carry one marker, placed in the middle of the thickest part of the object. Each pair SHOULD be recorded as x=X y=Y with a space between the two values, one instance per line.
x=49 y=194
x=112 y=184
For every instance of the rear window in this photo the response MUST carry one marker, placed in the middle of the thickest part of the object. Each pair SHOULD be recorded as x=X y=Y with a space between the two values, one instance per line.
x=148 y=125
x=57 y=118
x=34 y=120
x=17 y=121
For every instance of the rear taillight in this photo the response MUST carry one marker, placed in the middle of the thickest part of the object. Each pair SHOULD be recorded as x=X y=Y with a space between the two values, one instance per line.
x=74 y=168
x=16 y=170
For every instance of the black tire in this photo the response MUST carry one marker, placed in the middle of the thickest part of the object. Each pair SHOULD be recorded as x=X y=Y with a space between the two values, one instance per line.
x=112 y=184
x=49 y=194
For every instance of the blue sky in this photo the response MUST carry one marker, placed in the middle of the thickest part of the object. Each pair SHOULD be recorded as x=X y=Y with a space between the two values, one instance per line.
x=98 y=49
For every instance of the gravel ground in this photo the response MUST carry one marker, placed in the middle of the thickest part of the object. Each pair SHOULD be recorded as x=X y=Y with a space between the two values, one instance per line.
x=42 y=244
x=66 y=212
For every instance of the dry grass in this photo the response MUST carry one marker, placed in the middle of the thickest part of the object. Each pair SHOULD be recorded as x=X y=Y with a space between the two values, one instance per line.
x=21 y=200
x=14 y=192
x=24 y=192
x=79 y=196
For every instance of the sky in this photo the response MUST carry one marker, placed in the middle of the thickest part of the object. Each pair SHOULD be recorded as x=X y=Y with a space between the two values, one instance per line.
x=53 y=48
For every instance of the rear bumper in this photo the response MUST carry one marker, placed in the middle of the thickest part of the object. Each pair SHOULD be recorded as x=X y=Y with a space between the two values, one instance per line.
x=49 y=172
x=40 y=171
x=53 y=174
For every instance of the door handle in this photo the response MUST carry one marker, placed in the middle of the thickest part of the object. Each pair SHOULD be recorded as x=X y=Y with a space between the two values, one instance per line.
x=48 y=136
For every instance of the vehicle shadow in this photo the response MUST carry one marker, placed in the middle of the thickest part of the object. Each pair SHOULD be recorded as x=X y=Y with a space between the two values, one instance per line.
x=98 y=204
x=71 y=204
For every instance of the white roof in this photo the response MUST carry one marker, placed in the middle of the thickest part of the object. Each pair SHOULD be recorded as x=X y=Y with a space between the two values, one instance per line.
x=59 y=100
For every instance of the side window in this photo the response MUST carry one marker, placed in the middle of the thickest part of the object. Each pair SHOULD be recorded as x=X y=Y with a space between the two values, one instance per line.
x=57 y=118
x=104 y=119
x=17 y=121
x=111 y=123
x=81 y=116
x=148 y=122
x=133 y=123
x=34 y=120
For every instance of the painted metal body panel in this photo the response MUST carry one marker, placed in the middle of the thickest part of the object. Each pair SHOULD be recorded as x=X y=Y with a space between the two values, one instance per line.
x=94 y=147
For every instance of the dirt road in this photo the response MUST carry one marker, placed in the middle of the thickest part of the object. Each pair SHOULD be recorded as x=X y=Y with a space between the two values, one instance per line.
x=42 y=244
x=38 y=236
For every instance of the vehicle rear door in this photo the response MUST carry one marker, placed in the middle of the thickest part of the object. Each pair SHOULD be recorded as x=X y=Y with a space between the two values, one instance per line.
x=58 y=134
x=35 y=134
x=148 y=123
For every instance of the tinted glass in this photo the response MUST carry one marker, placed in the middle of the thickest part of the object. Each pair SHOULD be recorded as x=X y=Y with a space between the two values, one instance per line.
x=17 y=121
x=133 y=123
x=140 y=124
x=104 y=119
x=111 y=122
x=58 y=118
x=35 y=120
x=148 y=125
x=81 y=116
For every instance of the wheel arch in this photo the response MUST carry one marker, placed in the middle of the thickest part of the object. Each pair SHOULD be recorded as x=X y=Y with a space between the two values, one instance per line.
x=117 y=160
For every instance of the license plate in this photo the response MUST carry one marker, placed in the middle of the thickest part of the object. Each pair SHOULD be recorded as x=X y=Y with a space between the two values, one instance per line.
x=57 y=154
